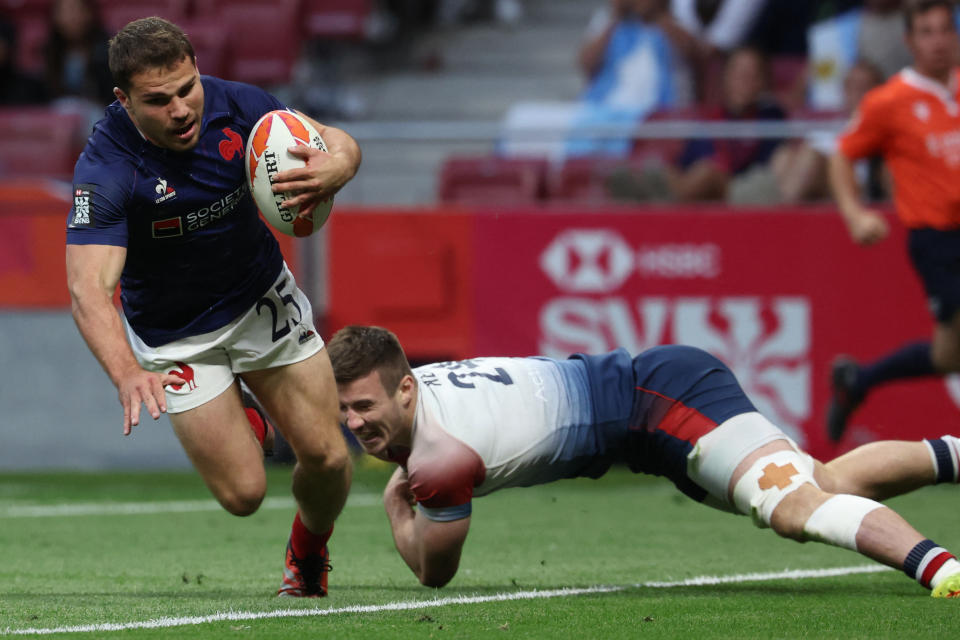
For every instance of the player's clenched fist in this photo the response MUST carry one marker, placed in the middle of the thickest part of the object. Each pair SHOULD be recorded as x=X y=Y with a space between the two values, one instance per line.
x=867 y=228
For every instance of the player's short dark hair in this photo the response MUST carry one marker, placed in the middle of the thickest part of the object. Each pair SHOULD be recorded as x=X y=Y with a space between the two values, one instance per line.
x=913 y=8
x=147 y=43
x=357 y=351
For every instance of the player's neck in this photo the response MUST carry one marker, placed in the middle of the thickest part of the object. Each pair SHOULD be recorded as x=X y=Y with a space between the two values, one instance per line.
x=937 y=75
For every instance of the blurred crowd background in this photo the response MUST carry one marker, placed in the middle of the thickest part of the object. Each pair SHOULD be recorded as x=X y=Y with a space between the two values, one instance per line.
x=509 y=101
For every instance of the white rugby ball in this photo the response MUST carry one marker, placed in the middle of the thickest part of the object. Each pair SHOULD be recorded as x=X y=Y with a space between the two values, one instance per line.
x=267 y=156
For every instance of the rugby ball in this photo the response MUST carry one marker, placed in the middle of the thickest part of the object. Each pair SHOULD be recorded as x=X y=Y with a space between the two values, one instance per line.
x=267 y=156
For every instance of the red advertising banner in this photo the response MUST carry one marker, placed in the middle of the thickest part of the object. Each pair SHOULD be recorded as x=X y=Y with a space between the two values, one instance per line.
x=776 y=294
x=33 y=218
x=412 y=271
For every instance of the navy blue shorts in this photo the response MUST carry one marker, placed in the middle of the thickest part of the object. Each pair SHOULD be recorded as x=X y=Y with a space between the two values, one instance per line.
x=678 y=395
x=936 y=257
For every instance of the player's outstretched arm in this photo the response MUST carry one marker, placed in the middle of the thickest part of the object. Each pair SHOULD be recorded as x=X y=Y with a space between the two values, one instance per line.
x=325 y=173
x=92 y=275
x=431 y=549
x=866 y=226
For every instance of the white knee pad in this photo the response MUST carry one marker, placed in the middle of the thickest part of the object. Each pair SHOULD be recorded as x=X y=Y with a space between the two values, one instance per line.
x=838 y=520
x=771 y=479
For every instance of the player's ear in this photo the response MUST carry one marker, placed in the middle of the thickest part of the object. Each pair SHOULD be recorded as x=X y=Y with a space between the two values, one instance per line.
x=123 y=98
x=407 y=388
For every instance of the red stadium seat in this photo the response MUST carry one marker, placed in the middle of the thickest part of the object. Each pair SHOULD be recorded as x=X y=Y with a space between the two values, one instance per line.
x=264 y=40
x=32 y=32
x=25 y=9
x=336 y=18
x=39 y=142
x=209 y=42
x=117 y=13
x=582 y=179
x=664 y=150
x=492 y=180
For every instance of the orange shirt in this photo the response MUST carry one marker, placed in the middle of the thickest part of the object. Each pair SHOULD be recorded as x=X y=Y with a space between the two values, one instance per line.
x=914 y=123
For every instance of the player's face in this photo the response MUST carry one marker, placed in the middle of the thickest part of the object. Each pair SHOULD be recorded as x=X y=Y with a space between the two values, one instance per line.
x=933 y=42
x=166 y=104
x=377 y=419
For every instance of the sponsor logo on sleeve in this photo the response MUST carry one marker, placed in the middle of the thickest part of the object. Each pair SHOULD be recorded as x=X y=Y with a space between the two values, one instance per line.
x=81 y=216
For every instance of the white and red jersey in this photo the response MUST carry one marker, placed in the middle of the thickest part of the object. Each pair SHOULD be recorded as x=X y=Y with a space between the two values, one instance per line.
x=490 y=423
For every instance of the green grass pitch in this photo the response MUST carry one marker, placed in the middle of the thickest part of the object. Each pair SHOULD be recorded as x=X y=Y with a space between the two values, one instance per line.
x=123 y=549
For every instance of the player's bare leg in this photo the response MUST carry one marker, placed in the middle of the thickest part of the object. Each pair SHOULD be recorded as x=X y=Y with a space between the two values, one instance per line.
x=808 y=512
x=879 y=470
x=302 y=401
x=945 y=346
x=217 y=438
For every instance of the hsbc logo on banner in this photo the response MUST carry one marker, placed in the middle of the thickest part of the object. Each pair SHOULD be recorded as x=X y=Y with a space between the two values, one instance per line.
x=764 y=340
x=601 y=261
x=588 y=260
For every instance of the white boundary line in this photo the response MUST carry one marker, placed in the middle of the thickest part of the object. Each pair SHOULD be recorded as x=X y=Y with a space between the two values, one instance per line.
x=160 y=623
x=9 y=511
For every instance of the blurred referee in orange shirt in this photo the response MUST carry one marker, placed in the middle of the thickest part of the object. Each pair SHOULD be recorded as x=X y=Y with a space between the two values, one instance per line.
x=913 y=121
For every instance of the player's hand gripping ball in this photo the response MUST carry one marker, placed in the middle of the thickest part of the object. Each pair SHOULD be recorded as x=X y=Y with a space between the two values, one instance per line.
x=267 y=156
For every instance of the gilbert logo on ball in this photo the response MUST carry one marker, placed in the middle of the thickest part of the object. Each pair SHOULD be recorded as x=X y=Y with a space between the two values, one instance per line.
x=267 y=156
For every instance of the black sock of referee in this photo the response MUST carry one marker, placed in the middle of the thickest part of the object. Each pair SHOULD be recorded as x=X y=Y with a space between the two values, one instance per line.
x=910 y=361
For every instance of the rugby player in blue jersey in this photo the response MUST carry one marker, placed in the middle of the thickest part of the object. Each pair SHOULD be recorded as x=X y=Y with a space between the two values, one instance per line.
x=161 y=206
x=464 y=429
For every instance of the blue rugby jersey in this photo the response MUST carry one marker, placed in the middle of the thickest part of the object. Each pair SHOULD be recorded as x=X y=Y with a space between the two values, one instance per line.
x=198 y=255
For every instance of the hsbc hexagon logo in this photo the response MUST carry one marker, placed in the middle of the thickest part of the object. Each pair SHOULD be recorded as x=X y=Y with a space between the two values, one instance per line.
x=588 y=260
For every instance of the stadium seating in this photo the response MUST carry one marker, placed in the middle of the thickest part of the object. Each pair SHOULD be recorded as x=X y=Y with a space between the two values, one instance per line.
x=582 y=179
x=117 y=13
x=32 y=30
x=26 y=8
x=39 y=142
x=492 y=179
x=664 y=150
x=209 y=42
x=336 y=18
x=263 y=40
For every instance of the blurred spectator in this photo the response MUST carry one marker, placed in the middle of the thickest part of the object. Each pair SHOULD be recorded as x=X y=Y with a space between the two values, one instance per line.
x=722 y=25
x=781 y=27
x=76 y=53
x=16 y=87
x=801 y=168
x=635 y=52
x=731 y=170
x=873 y=33
x=637 y=59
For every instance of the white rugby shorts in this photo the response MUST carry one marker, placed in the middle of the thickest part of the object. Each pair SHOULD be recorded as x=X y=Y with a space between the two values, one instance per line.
x=277 y=330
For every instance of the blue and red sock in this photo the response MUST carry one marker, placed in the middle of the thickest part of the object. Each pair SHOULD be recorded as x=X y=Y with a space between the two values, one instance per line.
x=928 y=564
x=945 y=453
